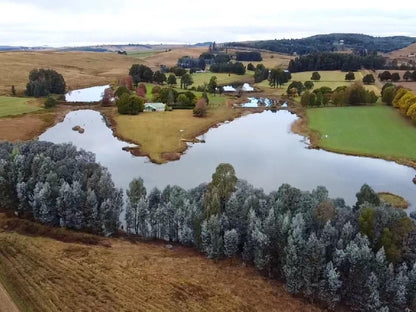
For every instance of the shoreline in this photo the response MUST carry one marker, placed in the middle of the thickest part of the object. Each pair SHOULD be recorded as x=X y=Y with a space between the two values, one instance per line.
x=301 y=127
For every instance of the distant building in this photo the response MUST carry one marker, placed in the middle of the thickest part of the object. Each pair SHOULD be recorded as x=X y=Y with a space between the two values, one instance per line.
x=154 y=107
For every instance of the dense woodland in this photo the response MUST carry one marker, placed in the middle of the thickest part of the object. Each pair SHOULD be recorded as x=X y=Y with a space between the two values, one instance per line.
x=335 y=61
x=363 y=256
x=60 y=186
x=331 y=42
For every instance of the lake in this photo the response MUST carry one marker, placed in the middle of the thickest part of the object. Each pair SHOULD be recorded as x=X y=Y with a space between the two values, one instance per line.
x=261 y=148
x=93 y=94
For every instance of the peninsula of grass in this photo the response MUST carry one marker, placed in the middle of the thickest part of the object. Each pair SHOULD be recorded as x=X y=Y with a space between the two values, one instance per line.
x=394 y=200
x=378 y=131
x=159 y=133
x=11 y=106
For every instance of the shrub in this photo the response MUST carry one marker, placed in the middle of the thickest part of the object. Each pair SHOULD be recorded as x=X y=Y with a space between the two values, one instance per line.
x=50 y=102
x=200 y=109
x=130 y=104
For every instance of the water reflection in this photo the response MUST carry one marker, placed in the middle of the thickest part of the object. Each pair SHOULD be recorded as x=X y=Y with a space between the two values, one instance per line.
x=93 y=94
x=261 y=148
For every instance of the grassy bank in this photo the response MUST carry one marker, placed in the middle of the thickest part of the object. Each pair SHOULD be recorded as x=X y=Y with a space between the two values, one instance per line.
x=43 y=273
x=372 y=130
x=11 y=106
x=158 y=133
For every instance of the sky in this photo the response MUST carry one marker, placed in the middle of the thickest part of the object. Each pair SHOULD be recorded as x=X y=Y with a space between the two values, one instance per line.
x=60 y=23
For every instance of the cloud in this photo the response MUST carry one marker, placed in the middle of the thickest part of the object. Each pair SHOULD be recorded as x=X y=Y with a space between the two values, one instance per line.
x=76 y=22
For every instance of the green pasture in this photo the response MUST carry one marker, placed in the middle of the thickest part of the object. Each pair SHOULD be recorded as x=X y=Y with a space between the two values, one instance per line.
x=370 y=130
x=10 y=106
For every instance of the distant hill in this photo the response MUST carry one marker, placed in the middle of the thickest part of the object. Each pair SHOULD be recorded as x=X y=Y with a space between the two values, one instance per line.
x=330 y=42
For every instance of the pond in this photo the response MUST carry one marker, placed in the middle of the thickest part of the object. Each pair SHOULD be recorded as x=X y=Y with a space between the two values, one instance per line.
x=93 y=94
x=261 y=148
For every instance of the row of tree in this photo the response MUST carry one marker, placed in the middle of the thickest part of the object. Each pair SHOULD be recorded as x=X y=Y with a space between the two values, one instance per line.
x=388 y=76
x=60 y=186
x=143 y=73
x=335 y=61
x=234 y=68
x=363 y=256
x=401 y=98
x=355 y=94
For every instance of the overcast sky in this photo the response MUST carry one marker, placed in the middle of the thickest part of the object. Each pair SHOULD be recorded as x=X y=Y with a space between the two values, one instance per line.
x=84 y=22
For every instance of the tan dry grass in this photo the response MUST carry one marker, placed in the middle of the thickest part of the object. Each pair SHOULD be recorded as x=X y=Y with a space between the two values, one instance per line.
x=167 y=132
x=79 y=69
x=43 y=274
x=170 y=58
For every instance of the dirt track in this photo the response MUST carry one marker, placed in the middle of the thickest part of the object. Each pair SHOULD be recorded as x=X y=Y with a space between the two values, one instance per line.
x=6 y=303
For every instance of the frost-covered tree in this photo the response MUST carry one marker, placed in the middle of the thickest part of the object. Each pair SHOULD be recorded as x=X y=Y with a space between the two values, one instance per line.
x=231 y=243
x=330 y=285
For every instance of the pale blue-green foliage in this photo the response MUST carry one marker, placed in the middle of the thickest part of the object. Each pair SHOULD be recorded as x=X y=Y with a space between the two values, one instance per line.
x=51 y=182
x=231 y=240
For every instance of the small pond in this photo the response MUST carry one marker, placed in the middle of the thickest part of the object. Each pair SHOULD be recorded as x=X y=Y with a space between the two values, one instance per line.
x=261 y=148
x=93 y=94
x=257 y=102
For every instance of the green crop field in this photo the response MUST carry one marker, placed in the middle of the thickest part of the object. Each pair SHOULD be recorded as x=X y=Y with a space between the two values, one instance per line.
x=370 y=130
x=10 y=106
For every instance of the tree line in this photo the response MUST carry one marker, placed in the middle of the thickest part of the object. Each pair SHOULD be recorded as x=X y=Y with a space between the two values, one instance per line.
x=400 y=98
x=335 y=61
x=362 y=256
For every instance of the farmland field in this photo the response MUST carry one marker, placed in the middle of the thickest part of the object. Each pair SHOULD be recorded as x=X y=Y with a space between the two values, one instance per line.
x=10 y=106
x=45 y=274
x=372 y=130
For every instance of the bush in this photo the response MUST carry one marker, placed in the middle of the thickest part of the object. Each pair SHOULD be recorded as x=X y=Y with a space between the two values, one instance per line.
x=121 y=90
x=130 y=104
x=156 y=89
x=200 y=109
x=50 y=102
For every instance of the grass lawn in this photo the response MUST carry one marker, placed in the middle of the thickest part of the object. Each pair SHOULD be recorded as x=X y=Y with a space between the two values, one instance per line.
x=143 y=54
x=222 y=78
x=169 y=129
x=10 y=106
x=370 y=130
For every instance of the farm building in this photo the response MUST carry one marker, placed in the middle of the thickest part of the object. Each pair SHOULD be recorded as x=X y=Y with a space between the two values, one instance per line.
x=154 y=107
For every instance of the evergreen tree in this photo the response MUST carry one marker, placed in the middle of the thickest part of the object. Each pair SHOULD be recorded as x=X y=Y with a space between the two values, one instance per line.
x=231 y=243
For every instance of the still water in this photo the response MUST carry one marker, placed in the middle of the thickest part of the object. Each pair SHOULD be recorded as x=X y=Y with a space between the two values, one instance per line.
x=93 y=94
x=261 y=148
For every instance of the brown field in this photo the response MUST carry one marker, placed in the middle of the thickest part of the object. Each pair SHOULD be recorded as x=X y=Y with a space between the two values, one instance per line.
x=45 y=274
x=79 y=69
x=270 y=59
x=411 y=85
x=171 y=58
x=403 y=53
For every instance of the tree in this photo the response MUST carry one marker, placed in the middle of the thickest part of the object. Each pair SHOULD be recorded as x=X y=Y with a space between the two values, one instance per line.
x=136 y=195
x=308 y=85
x=13 y=90
x=350 y=76
x=130 y=104
x=250 y=66
x=277 y=77
x=395 y=77
x=366 y=194
x=388 y=95
x=121 y=90
x=369 y=79
x=297 y=86
x=384 y=76
x=159 y=77
x=200 y=109
x=220 y=188
x=141 y=90
x=330 y=285
x=186 y=80
x=126 y=81
x=141 y=73
x=315 y=76
x=108 y=97
x=231 y=241
x=171 y=80
x=42 y=82
x=212 y=85
x=407 y=75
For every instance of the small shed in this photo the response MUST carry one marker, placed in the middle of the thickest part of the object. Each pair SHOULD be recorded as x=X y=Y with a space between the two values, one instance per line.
x=154 y=107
